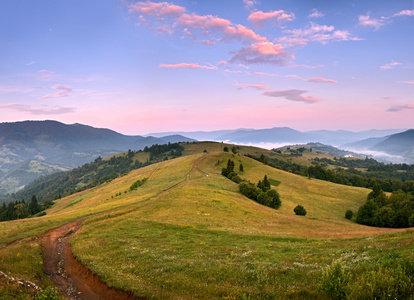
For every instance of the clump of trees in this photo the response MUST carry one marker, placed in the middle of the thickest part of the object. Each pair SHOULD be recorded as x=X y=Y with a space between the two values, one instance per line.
x=261 y=193
x=20 y=209
x=230 y=173
x=395 y=211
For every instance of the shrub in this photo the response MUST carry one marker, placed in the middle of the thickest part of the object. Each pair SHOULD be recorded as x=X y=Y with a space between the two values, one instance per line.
x=300 y=210
x=349 y=214
x=385 y=283
x=335 y=280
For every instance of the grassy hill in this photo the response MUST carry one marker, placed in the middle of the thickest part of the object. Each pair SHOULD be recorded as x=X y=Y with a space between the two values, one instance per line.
x=188 y=233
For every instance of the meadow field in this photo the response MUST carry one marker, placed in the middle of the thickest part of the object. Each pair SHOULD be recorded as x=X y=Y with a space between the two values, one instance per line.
x=188 y=233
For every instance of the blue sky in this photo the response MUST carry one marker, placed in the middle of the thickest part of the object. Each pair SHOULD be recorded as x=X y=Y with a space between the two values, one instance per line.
x=147 y=66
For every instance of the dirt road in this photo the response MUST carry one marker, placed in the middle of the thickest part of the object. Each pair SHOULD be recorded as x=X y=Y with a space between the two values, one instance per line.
x=69 y=275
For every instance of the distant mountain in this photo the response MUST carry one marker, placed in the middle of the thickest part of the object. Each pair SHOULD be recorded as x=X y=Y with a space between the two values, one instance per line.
x=198 y=135
x=64 y=146
x=273 y=135
x=341 y=137
x=283 y=135
x=395 y=148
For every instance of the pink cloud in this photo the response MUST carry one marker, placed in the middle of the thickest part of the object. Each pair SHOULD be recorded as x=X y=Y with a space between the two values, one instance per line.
x=222 y=63
x=409 y=82
x=400 y=108
x=44 y=110
x=391 y=65
x=241 y=86
x=262 y=53
x=259 y=18
x=407 y=13
x=293 y=95
x=315 y=33
x=63 y=91
x=159 y=10
x=315 y=14
x=173 y=18
x=368 y=22
x=248 y=4
x=319 y=79
x=46 y=71
x=187 y=65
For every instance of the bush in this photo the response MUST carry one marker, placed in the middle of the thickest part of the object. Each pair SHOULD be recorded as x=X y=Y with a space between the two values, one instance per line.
x=349 y=214
x=385 y=283
x=300 y=210
x=335 y=280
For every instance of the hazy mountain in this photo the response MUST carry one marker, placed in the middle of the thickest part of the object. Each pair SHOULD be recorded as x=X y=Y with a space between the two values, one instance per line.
x=59 y=146
x=340 y=137
x=395 y=148
x=197 y=135
x=273 y=135
x=283 y=135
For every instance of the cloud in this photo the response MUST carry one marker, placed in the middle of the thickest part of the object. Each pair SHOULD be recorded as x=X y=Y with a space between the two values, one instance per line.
x=262 y=53
x=319 y=79
x=30 y=63
x=391 y=65
x=172 y=19
x=407 y=13
x=63 y=91
x=44 y=110
x=241 y=86
x=368 y=22
x=259 y=18
x=315 y=14
x=249 y=4
x=400 y=108
x=408 y=82
x=186 y=65
x=293 y=95
x=46 y=71
x=315 y=33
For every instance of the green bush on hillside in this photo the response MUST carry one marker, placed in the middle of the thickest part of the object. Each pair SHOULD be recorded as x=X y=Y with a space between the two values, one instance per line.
x=300 y=210
x=349 y=214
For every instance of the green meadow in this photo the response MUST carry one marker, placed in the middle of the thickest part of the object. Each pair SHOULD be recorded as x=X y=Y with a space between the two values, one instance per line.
x=187 y=233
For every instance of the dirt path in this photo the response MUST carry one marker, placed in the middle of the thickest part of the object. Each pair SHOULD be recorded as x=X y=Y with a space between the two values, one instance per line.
x=72 y=278
x=194 y=167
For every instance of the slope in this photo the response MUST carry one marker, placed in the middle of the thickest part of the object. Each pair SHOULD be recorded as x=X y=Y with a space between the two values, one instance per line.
x=188 y=233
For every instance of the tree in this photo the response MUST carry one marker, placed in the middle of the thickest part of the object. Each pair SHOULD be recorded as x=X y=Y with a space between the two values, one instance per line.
x=234 y=150
x=300 y=210
x=229 y=169
x=241 y=168
x=226 y=149
x=274 y=199
x=366 y=213
x=34 y=206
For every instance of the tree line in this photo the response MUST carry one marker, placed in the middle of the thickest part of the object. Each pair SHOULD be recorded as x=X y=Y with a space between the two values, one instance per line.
x=350 y=176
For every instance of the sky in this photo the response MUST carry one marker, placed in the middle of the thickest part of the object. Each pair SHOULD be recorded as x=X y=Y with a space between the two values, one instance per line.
x=150 y=66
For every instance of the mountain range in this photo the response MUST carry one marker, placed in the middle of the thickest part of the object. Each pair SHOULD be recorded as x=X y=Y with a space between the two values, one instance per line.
x=29 y=149
x=283 y=135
